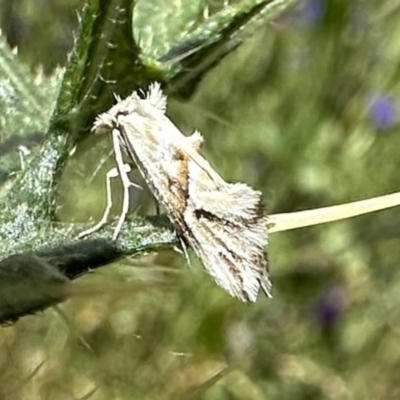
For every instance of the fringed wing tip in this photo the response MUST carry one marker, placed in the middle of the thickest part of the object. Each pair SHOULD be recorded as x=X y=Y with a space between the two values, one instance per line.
x=266 y=286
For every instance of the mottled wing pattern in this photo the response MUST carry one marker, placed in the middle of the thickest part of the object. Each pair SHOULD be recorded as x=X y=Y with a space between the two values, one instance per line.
x=228 y=231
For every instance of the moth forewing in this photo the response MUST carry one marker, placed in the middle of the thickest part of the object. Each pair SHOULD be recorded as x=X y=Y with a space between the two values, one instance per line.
x=164 y=171
x=188 y=147
x=153 y=108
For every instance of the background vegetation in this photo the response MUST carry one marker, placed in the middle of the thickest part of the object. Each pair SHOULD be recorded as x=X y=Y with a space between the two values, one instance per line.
x=306 y=110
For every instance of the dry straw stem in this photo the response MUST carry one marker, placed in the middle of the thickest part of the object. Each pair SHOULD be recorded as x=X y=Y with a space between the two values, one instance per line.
x=294 y=220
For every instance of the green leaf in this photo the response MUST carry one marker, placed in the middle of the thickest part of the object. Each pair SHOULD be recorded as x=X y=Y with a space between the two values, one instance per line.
x=26 y=101
x=214 y=38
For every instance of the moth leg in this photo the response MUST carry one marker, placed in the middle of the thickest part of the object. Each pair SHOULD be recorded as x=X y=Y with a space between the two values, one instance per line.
x=23 y=152
x=183 y=250
x=126 y=183
x=157 y=206
x=99 y=165
x=112 y=173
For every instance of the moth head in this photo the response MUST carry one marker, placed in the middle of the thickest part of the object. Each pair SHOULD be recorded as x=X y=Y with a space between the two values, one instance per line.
x=153 y=100
x=104 y=123
x=108 y=121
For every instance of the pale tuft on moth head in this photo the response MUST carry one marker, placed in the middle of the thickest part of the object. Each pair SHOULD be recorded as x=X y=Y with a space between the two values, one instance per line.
x=154 y=99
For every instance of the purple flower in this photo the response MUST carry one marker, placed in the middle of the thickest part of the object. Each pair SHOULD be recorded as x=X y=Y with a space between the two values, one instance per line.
x=307 y=12
x=329 y=307
x=382 y=111
x=312 y=10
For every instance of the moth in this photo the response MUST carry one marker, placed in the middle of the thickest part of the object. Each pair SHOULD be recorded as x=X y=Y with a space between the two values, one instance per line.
x=224 y=223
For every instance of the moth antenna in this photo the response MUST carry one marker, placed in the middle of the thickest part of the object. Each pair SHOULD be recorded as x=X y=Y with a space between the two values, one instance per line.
x=99 y=166
x=294 y=220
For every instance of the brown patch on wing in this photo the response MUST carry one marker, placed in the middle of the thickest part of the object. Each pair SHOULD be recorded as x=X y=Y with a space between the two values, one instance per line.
x=178 y=183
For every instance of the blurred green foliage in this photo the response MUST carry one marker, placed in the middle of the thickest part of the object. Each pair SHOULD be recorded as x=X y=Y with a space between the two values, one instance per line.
x=307 y=112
